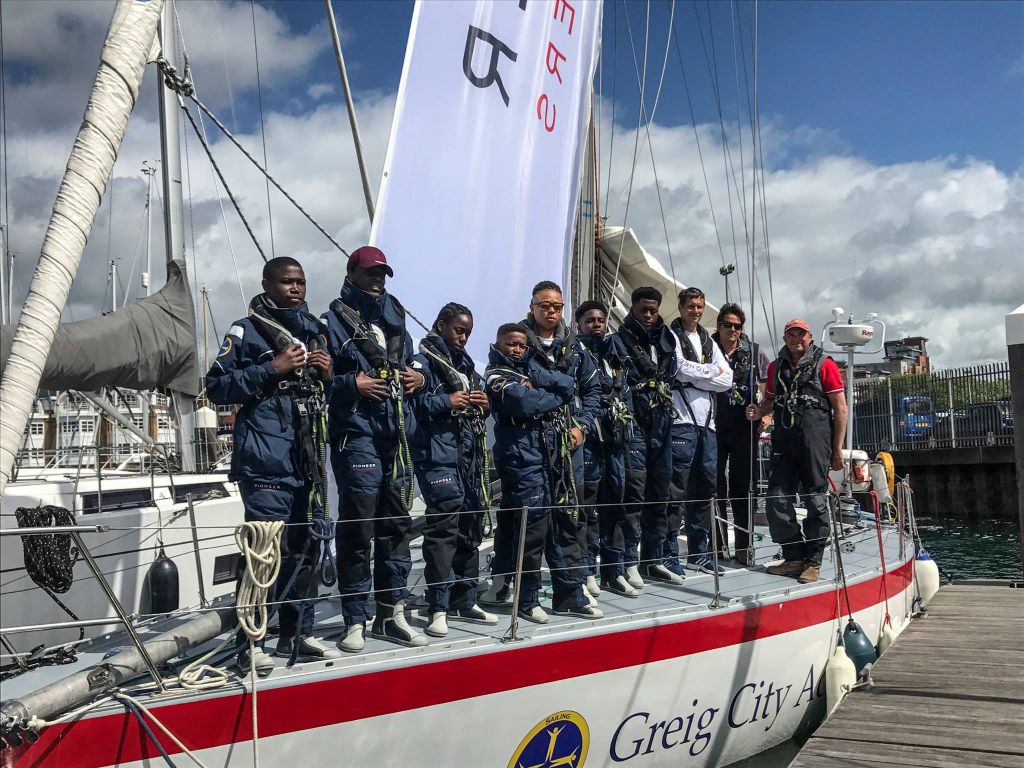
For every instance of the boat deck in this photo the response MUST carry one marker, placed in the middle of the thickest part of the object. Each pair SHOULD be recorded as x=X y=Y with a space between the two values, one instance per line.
x=738 y=587
x=949 y=692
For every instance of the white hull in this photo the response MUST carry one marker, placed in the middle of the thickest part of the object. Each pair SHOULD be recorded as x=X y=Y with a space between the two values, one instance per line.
x=694 y=688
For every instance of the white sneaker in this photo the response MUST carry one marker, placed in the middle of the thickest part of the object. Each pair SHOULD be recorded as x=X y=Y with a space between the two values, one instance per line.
x=474 y=615
x=535 y=614
x=660 y=573
x=636 y=581
x=353 y=641
x=499 y=593
x=438 y=626
x=592 y=586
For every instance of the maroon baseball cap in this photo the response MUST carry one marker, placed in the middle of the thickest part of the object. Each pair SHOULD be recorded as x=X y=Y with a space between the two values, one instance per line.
x=367 y=257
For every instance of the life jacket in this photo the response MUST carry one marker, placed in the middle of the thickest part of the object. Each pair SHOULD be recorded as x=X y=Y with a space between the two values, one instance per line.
x=707 y=344
x=385 y=360
x=563 y=349
x=742 y=364
x=653 y=387
x=617 y=421
x=798 y=389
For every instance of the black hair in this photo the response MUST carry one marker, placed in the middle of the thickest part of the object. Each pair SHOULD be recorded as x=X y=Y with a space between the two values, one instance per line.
x=545 y=285
x=732 y=309
x=506 y=328
x=690 y=293
x=586 y=306
x=279 y=263
x=645 y=292
x=449 y=312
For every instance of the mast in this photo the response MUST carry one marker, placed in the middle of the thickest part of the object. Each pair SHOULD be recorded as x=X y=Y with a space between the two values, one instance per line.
x=148 y=170
x=174 y=230
x=122 y=64
x=343 y=72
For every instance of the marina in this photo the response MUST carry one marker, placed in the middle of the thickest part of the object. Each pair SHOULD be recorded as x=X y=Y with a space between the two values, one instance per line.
x=947 y=693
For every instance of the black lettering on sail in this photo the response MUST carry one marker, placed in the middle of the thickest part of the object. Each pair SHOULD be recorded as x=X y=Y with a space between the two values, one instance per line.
x=492 y=75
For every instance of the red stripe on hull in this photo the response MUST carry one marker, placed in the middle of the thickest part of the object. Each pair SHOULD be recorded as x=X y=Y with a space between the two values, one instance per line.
x=112 y=739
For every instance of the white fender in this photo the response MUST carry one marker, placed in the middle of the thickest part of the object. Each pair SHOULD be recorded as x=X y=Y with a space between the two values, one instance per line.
x=840 y=677
x=886 y=638
x=926 y=575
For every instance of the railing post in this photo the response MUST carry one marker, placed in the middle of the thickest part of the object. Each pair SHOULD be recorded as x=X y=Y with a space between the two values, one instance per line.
x=716 y=601
x=952 y=412
x=513 y=630
x=892 y=414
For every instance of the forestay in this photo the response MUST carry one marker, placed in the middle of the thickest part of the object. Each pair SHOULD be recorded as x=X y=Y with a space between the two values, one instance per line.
x=481 y=178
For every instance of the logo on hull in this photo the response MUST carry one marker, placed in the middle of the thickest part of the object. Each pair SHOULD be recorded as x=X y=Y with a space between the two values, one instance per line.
x=559 y=740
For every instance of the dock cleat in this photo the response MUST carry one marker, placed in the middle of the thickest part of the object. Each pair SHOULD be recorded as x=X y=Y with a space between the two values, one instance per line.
x=354 y=640
x=660 y=573
x=581 y=612
x=474 y=615
x=633 y=577
x=619 y=586
x=438 y=626
x=499 y=594
x=261 y=660
x=787 y=568
x=536 y=614
x=390 y=625
x=310 y=649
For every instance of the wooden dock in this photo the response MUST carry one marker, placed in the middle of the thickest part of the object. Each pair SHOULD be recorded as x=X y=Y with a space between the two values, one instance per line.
x=949 y=693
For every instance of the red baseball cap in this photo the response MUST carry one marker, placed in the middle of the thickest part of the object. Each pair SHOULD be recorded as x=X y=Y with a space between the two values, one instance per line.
x=367 y=257
x=796 y=322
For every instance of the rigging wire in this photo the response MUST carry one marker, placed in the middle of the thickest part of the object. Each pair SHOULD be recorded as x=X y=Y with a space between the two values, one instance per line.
x=739 y=141
x=636 y=137
x=611 y=131
x=6 y=189
x=263 y=131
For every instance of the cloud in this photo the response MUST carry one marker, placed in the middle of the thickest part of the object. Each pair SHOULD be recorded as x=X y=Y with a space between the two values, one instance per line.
x=932 y=246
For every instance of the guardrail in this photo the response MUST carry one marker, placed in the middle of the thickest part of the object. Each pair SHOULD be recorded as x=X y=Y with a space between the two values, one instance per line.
x=961 y=407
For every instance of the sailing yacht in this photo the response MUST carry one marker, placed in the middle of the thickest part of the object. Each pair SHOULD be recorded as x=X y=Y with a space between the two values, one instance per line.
x=705 y=673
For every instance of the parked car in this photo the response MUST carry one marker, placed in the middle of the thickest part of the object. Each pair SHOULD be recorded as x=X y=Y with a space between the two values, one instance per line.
x=907 y=417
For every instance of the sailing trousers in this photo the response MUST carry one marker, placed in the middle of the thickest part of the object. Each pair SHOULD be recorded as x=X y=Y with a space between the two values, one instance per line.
x=737 y=456
x=694 y=463
x=654 y=515
x=267 y=502
x=370 y=481
x=799 y=463
x=604 y=479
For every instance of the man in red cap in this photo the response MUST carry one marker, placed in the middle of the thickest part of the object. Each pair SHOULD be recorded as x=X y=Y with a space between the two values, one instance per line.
x=805 y=392
x=370 y=416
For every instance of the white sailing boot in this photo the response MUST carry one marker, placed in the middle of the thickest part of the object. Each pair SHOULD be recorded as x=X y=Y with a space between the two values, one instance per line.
x=474 y=614
x=438 y=626
x=536 y=614
x=261 y=660
x=660 y=573
x=591 y=600
x=592 y=586
x=310 y=649
x=499 y=594
x=353 y=640
x=620 y=586
x=390 y=625
x=636 y=581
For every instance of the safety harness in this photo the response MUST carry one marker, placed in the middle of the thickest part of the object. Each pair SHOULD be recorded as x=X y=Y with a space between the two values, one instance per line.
x=654 y=384
x=707 y=354
x=473 y=415
x=798 y=388
x=386 y=363
x=613 y=382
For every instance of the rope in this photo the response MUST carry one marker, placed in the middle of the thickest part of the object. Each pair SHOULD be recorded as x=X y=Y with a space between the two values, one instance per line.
x=260 y=545
x=49 y=557
x=138 y=708
x=881 y=555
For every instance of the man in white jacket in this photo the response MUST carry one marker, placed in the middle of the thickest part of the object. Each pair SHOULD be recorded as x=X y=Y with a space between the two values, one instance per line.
x=702 y=371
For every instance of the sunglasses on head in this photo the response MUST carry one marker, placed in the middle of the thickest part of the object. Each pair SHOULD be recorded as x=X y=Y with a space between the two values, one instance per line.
x=731 y=326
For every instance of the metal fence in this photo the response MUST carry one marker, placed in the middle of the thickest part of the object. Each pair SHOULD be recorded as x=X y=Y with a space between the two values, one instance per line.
x=957 y=408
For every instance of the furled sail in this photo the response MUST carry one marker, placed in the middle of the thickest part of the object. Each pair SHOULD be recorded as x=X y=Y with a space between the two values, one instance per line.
x=148 y=344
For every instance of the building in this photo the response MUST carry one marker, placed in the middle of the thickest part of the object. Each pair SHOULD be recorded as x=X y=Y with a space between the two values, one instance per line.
x=907 y=356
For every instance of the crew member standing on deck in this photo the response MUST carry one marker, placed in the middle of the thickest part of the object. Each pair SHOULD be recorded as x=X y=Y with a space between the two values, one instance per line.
x=737 y=437
x=371 y=419
x=805 y=395
x=529 y=401
x=606 y=530
x=646 y=347
x=449 y=452
x=702 y=371
x=274 y=365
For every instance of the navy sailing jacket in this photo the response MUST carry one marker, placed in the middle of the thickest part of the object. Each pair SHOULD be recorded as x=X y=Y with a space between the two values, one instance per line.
x=264 y=434
x=350 y=415
x=443 y=436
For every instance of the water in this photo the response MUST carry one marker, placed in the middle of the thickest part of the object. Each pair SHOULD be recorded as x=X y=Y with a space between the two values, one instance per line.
x=973 y=549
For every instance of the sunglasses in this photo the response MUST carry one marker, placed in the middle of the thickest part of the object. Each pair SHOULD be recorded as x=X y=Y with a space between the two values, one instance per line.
x=731 y=326
x=548 y=306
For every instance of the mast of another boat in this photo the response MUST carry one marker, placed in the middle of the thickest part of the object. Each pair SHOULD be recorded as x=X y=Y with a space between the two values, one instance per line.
x=123 y=63
x=174 y=229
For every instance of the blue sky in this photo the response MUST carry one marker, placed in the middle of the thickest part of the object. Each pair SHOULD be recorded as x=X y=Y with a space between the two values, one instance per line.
x=890 y=81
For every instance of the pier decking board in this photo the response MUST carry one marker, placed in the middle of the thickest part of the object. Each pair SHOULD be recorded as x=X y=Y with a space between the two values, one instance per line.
x=948 y=694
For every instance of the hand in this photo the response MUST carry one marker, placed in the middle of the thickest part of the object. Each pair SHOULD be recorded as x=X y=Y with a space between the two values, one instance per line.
x=460 y=400
x=412 y=380
x=527 y=383
x=837 y=459
x=753 y=413
x=373 y=388
x=287 y=360
x=321 y=361
x=577 y=437
x=480 y=400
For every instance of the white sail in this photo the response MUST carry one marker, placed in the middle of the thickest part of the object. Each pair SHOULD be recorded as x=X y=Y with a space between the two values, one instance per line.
x=482 y=175
x=122 y=63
